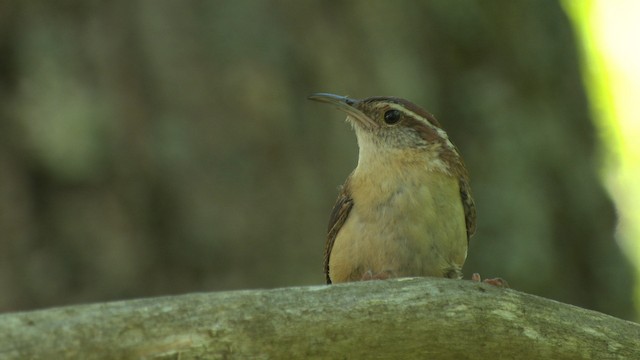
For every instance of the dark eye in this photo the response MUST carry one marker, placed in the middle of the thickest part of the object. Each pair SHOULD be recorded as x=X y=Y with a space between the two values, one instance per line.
x=391 y=117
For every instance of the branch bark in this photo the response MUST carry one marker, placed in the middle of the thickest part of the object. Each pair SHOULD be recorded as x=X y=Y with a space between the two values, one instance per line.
x=399 y=319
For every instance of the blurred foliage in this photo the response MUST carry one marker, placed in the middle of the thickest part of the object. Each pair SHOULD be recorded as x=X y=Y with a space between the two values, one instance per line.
x=611 y=68
x=157 y=147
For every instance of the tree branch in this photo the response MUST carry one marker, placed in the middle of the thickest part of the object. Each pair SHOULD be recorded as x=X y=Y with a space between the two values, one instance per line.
x=399 y=319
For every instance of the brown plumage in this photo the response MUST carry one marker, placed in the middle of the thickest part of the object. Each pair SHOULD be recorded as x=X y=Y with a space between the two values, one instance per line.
x=338 y=216
x=407 y=207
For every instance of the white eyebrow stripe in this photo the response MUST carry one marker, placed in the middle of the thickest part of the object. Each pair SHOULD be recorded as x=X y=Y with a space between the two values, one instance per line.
x=440 y=132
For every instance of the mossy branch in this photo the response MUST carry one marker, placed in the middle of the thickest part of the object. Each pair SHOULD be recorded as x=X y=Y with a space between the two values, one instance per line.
x=397 y=319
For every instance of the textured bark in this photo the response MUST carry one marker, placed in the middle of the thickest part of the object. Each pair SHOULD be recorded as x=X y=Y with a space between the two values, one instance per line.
x=400 y=319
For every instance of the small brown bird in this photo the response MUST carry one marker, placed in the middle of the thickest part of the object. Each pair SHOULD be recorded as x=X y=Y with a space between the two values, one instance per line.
x=406 y=209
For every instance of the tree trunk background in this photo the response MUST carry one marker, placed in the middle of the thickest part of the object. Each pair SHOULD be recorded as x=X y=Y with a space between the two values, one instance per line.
x=162 y=147
x=397 y=319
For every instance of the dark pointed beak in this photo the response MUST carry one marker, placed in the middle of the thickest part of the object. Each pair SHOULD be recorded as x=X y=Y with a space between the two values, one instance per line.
x=348 y=105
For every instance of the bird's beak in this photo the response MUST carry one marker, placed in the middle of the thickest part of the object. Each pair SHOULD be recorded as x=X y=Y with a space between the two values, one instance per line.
x=347 y=105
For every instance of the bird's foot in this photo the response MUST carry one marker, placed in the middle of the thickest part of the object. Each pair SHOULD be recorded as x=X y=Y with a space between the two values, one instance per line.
x=498 y=282
x=384 y=275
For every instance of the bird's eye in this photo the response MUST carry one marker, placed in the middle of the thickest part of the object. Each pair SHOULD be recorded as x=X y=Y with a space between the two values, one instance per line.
x=391 y=117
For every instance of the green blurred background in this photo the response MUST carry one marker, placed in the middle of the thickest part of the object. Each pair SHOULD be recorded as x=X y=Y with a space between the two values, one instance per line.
x=164 y=147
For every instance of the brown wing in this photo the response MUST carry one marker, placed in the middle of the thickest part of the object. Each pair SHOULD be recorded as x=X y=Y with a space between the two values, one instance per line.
x=469 y=206
x=339 y=215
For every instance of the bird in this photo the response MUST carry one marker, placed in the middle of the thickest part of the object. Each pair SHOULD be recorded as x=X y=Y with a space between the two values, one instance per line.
x=407 y=209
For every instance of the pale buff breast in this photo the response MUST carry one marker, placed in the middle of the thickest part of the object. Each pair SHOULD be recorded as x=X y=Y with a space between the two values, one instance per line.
x=410 y=225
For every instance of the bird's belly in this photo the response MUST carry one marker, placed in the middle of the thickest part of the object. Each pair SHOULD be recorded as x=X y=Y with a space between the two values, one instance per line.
x=410 y=231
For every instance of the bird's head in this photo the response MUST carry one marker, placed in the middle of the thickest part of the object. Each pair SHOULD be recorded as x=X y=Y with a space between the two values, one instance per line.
x=392 y=127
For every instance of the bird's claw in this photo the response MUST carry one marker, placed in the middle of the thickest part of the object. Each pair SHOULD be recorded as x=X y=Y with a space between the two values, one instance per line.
x=383 y=275
x=498 y=282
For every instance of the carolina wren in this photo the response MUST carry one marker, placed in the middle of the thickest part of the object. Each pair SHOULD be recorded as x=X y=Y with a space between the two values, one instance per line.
x=406 y=209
